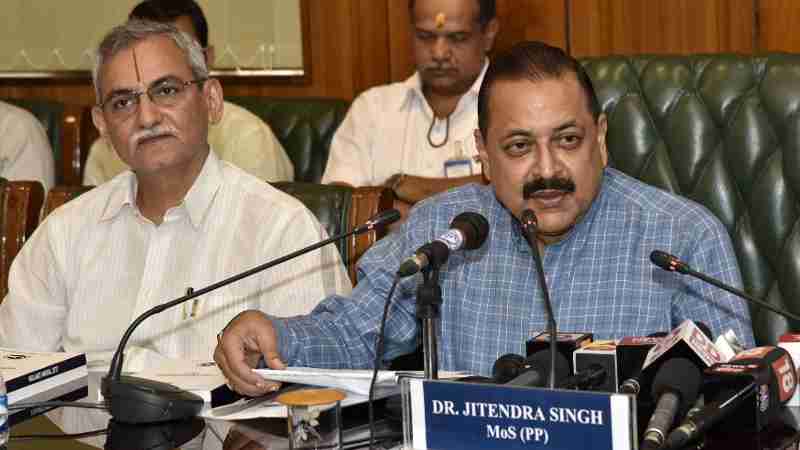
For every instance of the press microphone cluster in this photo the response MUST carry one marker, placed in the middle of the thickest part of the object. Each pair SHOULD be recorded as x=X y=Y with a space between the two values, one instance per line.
x=137 y=400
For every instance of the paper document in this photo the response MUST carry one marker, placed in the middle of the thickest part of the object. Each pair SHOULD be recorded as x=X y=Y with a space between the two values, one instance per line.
x=356 y=381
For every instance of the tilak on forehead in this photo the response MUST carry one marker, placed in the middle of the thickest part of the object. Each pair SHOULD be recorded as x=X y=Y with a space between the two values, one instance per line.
x=136 y=65
x=441 y=18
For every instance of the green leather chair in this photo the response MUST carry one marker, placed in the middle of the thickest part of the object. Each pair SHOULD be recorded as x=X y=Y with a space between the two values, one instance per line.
x=722 y=130
x=305 y=127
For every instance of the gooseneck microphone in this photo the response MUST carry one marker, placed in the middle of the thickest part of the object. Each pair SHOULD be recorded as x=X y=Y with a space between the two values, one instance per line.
x=529 y=226
x=138 y=400
x=468 y=231
x=671 y=263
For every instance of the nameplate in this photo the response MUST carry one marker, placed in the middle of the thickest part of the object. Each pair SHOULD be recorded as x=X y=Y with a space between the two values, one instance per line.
x=445 y=415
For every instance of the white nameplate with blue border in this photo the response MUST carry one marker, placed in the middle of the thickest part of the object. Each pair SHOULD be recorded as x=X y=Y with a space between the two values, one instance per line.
x=451 y=415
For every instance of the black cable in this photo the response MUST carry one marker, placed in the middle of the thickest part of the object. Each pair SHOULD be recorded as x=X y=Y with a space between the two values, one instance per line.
x=377 y=363
x=56 y=403
x=32 y=437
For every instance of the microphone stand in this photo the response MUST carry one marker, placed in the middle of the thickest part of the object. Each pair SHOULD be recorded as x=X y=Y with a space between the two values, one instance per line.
x=529 y=225
x=138 y=400
x=429 y=300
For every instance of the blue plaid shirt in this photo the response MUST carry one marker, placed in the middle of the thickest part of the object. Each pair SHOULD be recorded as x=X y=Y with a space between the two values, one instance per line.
x=600 y=279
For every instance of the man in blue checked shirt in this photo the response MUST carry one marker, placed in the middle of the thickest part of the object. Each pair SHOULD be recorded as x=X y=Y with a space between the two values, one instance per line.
x=542 y=142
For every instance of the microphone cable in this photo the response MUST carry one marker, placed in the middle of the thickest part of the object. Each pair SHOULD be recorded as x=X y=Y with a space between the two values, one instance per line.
x=57 y=404
x=378 y=357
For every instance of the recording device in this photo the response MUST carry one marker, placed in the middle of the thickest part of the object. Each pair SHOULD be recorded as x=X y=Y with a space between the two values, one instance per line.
x=138 y=400
x=566 y=344
x=530 y=225
x=536 y=370
x=748 y=391
x=468 y=231
x=676 y=386
x=595 y=368
x=673 y=264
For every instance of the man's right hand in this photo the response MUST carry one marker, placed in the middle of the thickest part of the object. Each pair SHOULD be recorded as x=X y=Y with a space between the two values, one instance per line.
x=246 y=339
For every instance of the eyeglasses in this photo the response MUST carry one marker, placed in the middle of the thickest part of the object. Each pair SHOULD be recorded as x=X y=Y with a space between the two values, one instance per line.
x=164 y=93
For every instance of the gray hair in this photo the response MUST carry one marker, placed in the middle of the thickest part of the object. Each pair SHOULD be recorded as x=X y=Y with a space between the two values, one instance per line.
x=134 y=31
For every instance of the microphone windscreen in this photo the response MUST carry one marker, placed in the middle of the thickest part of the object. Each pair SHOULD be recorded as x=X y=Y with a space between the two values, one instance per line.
x=541 y=359
x=678 y=375
x=474 y=228
x=507 y=367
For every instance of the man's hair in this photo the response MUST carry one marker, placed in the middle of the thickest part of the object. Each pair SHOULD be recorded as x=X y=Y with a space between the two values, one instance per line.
x=534 y=61
x=170 y=11
x=487 y=11
x=134 y=31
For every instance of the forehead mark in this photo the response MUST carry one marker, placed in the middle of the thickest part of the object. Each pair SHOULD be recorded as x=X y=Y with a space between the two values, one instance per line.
x=136 y=65
x=441 y=18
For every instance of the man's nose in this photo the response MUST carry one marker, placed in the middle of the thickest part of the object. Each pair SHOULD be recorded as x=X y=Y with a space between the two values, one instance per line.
x=547 y=163
x=149 y=113
x=441 y=49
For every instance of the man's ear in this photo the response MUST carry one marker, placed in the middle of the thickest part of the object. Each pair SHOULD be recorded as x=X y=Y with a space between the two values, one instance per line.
x=602 y=129
x=490 y=34
x=212 y=91
x=99 y=122
x=480 y=144
x=210 y=55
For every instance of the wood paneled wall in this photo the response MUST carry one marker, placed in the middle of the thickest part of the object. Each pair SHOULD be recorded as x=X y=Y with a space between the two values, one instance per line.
x=356 y=44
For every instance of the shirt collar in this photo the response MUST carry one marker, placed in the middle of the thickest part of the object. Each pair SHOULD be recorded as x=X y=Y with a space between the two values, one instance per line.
x=413 y=87
x=197 y=201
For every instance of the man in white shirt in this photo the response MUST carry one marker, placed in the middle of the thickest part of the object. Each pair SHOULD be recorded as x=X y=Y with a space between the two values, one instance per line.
x=25 y=152
x=417 y=136
x=181 y=218
x=240 y=137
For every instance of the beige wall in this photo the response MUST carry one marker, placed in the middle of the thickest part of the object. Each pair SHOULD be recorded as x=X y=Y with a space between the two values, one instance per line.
x=42 y=35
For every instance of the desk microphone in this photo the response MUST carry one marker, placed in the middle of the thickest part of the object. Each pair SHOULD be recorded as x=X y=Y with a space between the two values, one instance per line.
x=468 y=231
x=138 y=400
x=529 y=226
x=671 y=263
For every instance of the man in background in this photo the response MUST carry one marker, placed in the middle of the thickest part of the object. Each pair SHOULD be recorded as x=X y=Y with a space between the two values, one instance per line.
x=240 y=138
x=25 y=152
x=417 y=136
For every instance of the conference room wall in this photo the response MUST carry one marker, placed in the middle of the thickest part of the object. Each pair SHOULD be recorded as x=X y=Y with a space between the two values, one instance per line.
x=356 y=44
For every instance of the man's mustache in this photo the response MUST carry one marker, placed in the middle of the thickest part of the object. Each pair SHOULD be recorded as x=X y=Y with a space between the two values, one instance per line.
x=148 y=133
x=547 y=184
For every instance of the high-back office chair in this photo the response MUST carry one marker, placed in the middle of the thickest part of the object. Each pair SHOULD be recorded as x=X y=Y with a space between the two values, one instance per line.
x=722 y=130
x=20 y=204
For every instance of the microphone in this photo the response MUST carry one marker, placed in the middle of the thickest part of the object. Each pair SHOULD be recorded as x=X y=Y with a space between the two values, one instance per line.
x=536 y=370
x=671 y=263
x=768 y=375
x=468 y=231
x=138 y=400
x=676 y=386
x=588 y=378
x=631 y=352
x=529 y=226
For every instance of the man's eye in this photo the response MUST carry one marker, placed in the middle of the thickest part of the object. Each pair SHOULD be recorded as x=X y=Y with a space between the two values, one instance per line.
x=166 y=90
x=517 y=148
x=570 y=141
x=461 y=37
x=118 y=103
x=424 y=36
